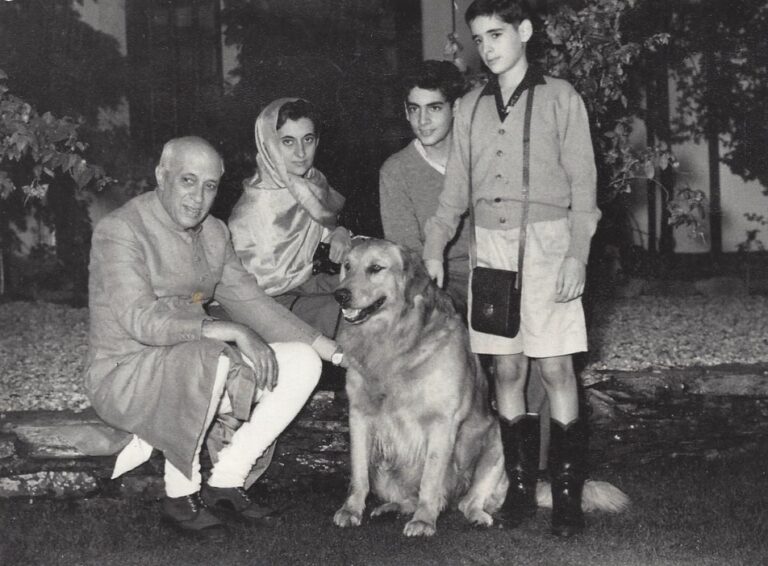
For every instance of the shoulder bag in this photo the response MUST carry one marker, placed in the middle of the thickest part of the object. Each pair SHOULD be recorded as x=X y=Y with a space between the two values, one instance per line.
x=496 y=293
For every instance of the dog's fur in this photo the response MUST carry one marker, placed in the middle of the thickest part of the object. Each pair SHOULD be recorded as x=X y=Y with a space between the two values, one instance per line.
x=421 y=428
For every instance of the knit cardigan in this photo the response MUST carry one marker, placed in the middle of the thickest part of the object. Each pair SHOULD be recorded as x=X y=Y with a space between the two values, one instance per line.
x=563 y=175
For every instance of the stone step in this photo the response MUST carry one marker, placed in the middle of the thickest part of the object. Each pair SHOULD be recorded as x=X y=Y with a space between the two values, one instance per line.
x=67 y=454
x=724 y=380
x=70 y=454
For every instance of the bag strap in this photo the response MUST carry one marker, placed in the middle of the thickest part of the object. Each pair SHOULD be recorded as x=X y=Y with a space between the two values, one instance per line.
x=526 y=185
x=525 y=188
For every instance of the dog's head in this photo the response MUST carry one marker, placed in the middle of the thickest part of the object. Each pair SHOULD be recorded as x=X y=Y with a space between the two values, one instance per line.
x=380 y=279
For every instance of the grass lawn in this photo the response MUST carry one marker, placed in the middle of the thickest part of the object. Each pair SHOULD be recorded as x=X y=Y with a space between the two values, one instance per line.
x=684 y=512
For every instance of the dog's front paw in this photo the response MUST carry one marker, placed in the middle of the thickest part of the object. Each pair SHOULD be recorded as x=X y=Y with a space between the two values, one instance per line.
x=479 y=518
x=345 y=517
x=419 y=528
x=472 y=508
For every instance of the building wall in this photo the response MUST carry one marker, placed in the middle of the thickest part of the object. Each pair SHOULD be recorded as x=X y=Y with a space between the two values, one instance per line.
x=107 y=16
x=436 y=24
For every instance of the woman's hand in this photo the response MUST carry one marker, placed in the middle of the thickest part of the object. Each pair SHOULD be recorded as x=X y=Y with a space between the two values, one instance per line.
x=341 y=242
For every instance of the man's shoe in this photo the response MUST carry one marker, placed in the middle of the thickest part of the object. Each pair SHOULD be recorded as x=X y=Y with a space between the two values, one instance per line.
x=235 y=501
x=189 y=514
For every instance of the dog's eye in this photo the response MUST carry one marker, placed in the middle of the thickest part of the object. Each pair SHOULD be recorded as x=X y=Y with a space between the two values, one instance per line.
x=374 y=268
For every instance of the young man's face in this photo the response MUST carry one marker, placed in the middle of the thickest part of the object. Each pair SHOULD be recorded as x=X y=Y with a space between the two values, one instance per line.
x=429 y=114
x=298 y=143
x=501 y=45
x=188 y=184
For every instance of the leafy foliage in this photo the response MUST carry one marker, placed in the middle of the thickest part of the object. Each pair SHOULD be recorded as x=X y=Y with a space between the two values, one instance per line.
x=37 y=151
x=721 y=65
x=59 y=66
x=37 y=147
x=720 y=60
x=58 y=62
x=591 y=48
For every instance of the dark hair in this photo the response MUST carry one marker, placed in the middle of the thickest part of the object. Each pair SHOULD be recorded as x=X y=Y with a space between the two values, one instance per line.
x=296 y=110
x=435 y=75
x=510 y=11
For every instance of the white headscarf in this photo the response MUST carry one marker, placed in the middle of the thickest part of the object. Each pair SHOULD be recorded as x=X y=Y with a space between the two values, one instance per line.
x=311 y=191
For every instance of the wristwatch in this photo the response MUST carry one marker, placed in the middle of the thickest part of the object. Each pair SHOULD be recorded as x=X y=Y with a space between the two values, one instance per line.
x=338 y=356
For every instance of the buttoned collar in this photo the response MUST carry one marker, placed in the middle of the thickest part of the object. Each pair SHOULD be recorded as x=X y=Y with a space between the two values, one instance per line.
x=533 y=76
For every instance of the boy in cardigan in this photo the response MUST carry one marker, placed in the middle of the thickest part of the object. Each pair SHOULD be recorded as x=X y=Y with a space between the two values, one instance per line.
x=562 y=218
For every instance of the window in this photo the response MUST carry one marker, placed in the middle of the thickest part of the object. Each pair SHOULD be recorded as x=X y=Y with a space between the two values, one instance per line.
x=174 y=53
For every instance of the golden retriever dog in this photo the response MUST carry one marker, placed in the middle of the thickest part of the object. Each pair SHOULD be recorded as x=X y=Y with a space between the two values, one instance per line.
x=422 y=433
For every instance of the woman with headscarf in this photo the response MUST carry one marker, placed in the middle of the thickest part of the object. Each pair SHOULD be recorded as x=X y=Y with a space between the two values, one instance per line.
x=286 y=211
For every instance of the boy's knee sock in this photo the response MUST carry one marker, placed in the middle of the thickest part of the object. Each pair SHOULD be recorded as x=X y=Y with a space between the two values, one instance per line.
x=299 y=371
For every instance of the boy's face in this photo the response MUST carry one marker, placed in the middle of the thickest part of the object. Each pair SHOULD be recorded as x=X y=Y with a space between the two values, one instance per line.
x=429 y=114
x=298 y=143
x=501 y=45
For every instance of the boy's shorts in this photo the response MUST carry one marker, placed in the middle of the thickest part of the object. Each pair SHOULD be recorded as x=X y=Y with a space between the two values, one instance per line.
x=547 y=328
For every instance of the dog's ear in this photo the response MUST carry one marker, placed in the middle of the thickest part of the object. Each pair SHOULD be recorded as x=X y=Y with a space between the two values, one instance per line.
x=417 y=280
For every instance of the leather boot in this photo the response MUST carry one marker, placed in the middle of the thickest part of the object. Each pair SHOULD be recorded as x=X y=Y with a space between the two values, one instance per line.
x=189 y=514
x=236 y=503
x=567 y=469
x=520 y=439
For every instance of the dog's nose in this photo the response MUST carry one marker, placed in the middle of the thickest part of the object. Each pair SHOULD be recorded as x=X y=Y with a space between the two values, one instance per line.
x=342 y=296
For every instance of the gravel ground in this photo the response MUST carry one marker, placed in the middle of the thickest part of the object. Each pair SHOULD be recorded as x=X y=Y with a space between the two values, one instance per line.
x=664 y=332
x=43 y=346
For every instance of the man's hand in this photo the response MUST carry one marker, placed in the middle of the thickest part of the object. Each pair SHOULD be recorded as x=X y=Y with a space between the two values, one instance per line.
x=250 y=345
x=341 y=242
x=262 y=357
x=570 y=280
x=436 y=270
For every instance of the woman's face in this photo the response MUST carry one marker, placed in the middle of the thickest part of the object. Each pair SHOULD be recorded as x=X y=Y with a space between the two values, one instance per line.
x=298 y=143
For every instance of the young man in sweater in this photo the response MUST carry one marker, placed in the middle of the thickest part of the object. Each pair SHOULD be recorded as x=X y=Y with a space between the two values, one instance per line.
x=562 y=218
x=411 y=180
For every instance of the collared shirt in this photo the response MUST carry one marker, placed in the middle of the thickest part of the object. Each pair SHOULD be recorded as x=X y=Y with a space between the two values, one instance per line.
x=439 y=167
x=533 y=76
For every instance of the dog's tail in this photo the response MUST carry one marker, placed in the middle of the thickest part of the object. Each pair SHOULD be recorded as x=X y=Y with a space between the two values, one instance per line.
x=596 y=496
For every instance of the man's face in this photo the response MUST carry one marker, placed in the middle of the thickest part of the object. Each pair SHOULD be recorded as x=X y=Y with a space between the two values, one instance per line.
x=298 y=142
x=188 y=184
x=501 y=46
x=429 y=114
